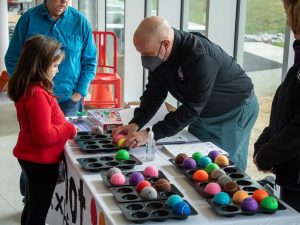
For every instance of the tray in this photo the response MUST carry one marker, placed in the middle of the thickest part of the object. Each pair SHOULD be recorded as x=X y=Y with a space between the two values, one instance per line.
x=152 y=180
x=104 y=145
x=87 y=135
x=105 y=162
x=140 y=212
x=129 y=194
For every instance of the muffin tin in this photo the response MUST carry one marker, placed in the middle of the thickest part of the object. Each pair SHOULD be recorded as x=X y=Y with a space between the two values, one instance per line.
x=232 y=171
x=87 y=135
x=129 y=194
x=105 y=162
x=241 y=178
x=140 y=212
x=152 y=180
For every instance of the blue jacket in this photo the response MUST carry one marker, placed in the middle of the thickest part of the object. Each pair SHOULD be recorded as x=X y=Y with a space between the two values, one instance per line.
x=74 y=32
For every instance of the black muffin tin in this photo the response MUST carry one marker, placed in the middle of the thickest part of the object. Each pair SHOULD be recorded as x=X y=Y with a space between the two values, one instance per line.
x=105 y=162
x=152 y=180
x=129 y=194
x=140 y=212
x=232 y=171
x=87 y=135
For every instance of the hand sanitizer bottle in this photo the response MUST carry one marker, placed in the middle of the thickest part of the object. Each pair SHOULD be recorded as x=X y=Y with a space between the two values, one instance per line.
x=150 y=147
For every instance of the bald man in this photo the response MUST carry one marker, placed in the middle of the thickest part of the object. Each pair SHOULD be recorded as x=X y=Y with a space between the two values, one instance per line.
x=218 y=101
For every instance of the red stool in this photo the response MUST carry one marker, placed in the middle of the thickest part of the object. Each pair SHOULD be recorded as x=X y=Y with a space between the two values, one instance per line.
x=106 y=86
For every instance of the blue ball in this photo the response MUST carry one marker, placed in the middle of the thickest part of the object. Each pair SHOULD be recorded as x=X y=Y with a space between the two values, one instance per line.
x=221 y=198
x=173 y=200
x=182 y=208
x=204 y=161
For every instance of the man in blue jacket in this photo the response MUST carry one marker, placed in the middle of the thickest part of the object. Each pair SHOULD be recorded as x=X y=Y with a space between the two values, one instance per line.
x=54 y=18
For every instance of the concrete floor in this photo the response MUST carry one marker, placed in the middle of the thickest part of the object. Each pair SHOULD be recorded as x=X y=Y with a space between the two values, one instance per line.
x=11 y=205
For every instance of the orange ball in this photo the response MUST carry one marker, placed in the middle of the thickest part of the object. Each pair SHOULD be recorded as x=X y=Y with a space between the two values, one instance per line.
x=222 y=160
x=259 y=194
x=200 y=175
x=239 y=196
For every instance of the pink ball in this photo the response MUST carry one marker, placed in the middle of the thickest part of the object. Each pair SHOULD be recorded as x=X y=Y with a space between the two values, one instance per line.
x=118 y=138
x=151 y=171
x=117 y=179
x=212 y=188
x=142 y=184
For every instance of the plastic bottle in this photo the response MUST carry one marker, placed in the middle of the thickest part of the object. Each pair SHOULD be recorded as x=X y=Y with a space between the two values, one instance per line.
x=150 y=147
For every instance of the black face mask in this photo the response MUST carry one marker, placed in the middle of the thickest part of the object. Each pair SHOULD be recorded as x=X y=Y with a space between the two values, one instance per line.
x=152 y=62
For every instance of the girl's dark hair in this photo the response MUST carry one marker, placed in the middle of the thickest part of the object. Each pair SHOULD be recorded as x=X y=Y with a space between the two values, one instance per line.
x=293 y=14
x=38 y=54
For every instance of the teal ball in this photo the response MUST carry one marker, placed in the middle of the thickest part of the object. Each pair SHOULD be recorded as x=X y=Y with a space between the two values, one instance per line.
x=182 y=208
x=173 y=200
x=221 y=198
x=204 y=161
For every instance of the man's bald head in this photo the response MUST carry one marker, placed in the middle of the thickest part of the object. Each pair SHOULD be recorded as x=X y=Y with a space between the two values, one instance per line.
x=151 y=32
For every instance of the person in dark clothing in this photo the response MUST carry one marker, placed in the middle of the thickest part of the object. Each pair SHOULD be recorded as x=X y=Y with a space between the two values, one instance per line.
x=278 y=147
x=218 y=101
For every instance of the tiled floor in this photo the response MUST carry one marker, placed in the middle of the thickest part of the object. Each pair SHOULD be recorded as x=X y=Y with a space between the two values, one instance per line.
x=10 y=199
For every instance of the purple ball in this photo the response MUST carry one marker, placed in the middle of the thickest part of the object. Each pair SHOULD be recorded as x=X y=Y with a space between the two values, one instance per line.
x=249 y=204
x=135 y=178
x=213 y=154
x=189 y=163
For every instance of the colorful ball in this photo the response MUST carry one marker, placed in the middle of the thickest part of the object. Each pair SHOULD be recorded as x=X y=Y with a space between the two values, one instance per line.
x=221 y=160
x=118 y=138
x=122 y=154
x=113 y=171
x=239 y=196
x=269 y=203
x=189 y=163
x=180 y=157
x=223 y=180
x=121 y=142
x=149 y=193
x=142 y=184
x=162 y=185
x=221 y=198
x=151 y=171
x=212 y=188
x=249 y=204
x=211 y=167
x=231 y=187
x=135 y=178
x=117 y=179
x=197 y=155
x=173 y=200
x=217 y=173
x=204 y=161
x=182 y=208
x=213 y=154
x=200 y=175
x=259 y=194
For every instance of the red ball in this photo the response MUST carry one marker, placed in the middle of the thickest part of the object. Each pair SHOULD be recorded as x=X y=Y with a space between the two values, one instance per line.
x=142 y=184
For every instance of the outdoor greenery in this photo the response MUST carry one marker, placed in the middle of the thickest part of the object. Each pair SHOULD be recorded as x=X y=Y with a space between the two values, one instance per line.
x=263 y=16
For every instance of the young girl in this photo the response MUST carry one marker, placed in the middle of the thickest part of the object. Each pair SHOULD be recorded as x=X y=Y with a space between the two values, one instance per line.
x=43 y=127
x=278 y=147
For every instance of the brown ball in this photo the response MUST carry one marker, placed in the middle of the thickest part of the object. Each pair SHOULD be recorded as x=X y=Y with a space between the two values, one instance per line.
x=180 y=157
x=231 y=187
x=162 y=185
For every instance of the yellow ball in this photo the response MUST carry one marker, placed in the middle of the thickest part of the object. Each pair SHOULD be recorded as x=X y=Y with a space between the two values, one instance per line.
x=121 y=142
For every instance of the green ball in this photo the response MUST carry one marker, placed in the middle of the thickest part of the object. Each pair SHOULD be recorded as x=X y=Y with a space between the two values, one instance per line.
x=269 y=203
x=211 y=167
x=122 y=154
x=197 y=155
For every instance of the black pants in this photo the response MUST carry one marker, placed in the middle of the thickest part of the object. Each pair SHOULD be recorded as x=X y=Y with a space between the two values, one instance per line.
x=40 y=184
x=291 y=197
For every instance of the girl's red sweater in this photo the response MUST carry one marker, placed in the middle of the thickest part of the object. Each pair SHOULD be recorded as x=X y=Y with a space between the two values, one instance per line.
x=43 y=127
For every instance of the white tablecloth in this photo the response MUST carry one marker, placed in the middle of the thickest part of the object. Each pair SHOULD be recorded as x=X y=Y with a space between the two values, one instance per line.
x=86 y=200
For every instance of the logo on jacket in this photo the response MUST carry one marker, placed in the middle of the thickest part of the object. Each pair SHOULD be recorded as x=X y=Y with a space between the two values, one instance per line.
x=298 y=74
x=180 y=74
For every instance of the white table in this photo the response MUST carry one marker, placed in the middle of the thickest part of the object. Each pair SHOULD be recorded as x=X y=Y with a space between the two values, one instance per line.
x=88 y=201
